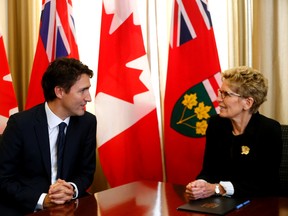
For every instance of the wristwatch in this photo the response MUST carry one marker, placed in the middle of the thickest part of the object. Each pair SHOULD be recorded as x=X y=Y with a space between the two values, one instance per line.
x=217 y=190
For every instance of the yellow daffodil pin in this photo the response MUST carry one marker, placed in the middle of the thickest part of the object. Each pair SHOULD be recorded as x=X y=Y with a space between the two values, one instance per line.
x=245 y=150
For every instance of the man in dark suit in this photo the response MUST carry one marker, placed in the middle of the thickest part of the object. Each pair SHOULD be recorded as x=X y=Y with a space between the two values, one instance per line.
x=28 y=151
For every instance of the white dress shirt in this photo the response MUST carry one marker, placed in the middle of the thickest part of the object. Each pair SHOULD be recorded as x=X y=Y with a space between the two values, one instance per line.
x=53 y=130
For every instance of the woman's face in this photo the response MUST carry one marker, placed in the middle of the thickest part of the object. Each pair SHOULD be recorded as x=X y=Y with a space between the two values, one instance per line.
x=231 y=104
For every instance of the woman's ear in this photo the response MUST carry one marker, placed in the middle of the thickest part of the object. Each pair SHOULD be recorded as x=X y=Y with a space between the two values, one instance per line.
x=248 y=103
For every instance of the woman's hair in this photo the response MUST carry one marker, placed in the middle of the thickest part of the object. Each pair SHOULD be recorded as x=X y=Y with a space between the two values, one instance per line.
x=62 y=72
x=247 y=82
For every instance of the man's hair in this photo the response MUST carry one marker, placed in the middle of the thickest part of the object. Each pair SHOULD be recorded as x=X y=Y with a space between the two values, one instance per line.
x=62 y=72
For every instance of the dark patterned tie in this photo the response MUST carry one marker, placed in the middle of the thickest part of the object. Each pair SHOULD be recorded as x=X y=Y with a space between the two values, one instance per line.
x=60 y=148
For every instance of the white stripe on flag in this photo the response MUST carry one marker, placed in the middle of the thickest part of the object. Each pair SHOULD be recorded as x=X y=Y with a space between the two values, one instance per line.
x=218 y=78
x=50 y=36
x=71 y=21
x=210 y=90
x=204 y=15
x=187 y=21
x=63 y=35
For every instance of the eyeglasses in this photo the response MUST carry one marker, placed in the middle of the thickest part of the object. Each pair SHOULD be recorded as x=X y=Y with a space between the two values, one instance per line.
x=223 y=94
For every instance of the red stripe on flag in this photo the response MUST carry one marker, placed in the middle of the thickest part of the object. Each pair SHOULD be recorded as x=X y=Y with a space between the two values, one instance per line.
x=215 y=103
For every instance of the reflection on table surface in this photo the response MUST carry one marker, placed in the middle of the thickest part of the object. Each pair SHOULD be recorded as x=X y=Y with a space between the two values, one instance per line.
x=154 y=199
x=140 y=198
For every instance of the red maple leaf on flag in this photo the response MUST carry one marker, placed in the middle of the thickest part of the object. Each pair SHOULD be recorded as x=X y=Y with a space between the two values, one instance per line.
x=125 y=102
x=8 y=101
x=119 y=80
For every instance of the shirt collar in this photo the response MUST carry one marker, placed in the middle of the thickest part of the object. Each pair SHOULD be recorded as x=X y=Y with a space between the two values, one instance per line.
x=52 y=119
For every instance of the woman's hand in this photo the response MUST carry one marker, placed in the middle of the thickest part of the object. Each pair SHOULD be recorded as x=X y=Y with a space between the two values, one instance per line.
x=199 y=189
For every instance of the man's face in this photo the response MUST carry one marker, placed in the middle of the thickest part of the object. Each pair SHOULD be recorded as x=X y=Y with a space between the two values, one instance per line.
x=74 y=102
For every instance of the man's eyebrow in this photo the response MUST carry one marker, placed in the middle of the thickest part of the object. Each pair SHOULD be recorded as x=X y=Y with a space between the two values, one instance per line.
x=84 y=88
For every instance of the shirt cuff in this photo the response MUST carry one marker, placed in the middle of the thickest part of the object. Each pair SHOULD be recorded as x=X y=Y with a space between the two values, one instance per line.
x=75 y=195
x=228 y=187
x=39 y=205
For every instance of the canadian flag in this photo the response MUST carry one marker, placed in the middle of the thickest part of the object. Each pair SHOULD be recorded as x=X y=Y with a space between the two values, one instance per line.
x=57 y=38
x=8 y=102
x=127 y=135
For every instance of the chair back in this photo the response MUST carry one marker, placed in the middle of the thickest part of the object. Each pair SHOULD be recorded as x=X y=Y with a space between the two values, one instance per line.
x=284 y=162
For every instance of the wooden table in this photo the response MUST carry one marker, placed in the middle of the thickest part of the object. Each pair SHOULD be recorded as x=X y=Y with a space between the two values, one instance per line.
x=155 y=199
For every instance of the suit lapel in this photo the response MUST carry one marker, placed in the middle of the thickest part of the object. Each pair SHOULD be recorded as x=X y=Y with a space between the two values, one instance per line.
x=41 y=130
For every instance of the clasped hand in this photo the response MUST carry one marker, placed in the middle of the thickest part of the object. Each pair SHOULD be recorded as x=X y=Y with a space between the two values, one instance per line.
x=199 y=189
x=59 y=193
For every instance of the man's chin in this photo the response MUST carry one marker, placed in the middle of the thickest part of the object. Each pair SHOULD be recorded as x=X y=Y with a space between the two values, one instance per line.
x=79 y=112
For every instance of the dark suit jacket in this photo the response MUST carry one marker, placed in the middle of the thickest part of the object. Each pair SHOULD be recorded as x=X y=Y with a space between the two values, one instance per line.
x=25 y=164
x=252 y=174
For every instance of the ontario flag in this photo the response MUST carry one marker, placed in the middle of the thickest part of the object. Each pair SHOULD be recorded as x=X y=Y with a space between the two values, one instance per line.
x=57 y=38
x=193 y=79
x=8 y=102
x=127 y=135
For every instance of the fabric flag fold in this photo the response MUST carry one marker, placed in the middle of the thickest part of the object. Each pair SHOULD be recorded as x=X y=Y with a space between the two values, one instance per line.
x=57 y=38
x=8 y=101
x=193 y=78
x=128 y=134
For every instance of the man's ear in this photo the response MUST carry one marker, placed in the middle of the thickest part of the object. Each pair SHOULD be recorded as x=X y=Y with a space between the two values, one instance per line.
x=58 y=91
x=248 y=103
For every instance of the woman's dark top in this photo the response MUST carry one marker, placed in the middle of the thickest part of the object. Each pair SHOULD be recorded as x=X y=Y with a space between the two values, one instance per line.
x=250 y=161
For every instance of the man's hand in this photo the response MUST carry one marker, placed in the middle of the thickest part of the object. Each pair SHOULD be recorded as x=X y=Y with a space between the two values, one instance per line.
x=59 y=193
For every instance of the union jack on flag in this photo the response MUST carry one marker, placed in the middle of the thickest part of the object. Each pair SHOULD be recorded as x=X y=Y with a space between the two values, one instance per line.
x=54 y=31
x=182 y=24
x=57 y=38
x=183 y=29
